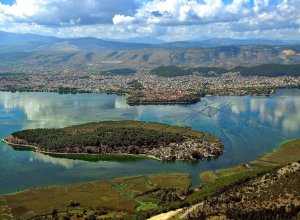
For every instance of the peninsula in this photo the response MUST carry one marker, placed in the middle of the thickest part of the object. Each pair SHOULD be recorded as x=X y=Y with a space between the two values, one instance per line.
x=154 y=140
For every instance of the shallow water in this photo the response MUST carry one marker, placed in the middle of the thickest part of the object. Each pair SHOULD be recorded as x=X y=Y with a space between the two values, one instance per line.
x=248 y=126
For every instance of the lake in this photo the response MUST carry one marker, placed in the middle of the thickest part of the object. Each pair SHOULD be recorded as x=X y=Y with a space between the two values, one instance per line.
x=248 y=127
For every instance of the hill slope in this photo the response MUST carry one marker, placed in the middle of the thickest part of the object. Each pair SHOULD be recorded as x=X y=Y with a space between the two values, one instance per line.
x=229 y=56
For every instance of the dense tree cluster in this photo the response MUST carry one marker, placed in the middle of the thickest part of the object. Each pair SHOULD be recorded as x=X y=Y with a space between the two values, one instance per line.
x=208 y=70
x=56 y=139
x=169 y=71
x=269 y=70
x=135 y=84
x=121 y=71
x=173 y=71
x=11 y=75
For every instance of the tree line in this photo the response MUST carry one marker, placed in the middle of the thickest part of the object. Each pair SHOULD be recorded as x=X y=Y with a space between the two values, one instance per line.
x=271 y=70
x=55 y=139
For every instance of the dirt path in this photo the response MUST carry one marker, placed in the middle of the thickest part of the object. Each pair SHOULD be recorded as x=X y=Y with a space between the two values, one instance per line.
x=166 y=216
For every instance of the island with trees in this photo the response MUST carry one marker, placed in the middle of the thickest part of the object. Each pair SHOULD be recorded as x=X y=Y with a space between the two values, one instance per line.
x=146 y=98
x=154 y=140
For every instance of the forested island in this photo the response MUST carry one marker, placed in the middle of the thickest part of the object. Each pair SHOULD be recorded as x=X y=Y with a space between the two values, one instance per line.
x=154 y=140
x=139 y=98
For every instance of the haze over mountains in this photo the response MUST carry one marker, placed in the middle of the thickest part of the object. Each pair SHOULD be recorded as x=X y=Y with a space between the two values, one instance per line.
x=12 y=42
x=29 y=50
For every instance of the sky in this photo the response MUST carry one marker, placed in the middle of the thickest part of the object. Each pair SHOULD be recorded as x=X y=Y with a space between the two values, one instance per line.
x=169 y=20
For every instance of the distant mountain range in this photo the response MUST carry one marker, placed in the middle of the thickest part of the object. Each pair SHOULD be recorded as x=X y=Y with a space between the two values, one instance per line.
x=141 y=40
x=12 y=42
x=149 y=58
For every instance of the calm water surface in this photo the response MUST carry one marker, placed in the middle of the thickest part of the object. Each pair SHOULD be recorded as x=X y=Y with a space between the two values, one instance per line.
x=248 y=126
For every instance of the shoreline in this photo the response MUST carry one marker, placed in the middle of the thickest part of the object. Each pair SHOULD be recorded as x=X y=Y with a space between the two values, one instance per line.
x=36 y=149
x=150 y=102
x=141 y=156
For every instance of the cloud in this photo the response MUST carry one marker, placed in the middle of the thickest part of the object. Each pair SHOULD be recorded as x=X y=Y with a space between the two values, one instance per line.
x=165 y=19
x=238 y=14
x=122 y=19
x=67 y=12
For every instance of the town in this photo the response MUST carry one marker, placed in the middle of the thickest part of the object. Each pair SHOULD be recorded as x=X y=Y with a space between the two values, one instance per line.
x=145 y=88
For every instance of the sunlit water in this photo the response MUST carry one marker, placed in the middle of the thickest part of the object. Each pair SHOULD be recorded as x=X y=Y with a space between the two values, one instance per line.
x=248 y=126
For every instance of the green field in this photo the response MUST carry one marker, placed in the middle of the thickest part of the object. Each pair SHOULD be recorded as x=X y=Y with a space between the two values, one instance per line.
x=211 y=175
x=99 y=195
x=287 y=153
x=179 y=182
x=119 y=197
x=137 y=185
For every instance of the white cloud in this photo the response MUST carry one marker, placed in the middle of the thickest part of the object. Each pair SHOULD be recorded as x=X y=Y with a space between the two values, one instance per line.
x=122 y=19
x=167 y=19
x=63 y=12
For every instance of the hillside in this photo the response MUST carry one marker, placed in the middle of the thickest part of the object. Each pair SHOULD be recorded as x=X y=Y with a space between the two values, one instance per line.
x=229 y=56
x=271 y=196
x=268 y=188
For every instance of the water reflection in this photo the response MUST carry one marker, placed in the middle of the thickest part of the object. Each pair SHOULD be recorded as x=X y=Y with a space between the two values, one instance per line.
x=248 y=126
x=277 y=113
x=52 y=160
x=54 y=110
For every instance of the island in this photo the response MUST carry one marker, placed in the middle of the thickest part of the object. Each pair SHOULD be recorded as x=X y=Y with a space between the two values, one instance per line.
x=146 y=98
x=136 y=138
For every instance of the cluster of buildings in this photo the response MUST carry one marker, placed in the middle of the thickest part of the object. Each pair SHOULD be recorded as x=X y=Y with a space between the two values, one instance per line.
x=153 y=86
x=191 y=149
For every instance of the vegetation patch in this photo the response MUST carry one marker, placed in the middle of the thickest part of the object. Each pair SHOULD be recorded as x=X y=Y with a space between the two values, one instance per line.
x=98 y=157
x=112 y=139
x=269 y=70
x=43 y=201
x=287 y=153
x=179 y=182
x=137 y=186
x=121 y=71
x=169 y=71
x=208 y=176
x=114 y=199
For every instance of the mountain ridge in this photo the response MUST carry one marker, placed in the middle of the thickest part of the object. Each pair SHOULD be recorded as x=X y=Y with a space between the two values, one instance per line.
x=12 y=42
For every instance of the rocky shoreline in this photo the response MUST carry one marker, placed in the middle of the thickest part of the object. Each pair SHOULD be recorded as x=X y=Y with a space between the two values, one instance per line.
x=190 y=149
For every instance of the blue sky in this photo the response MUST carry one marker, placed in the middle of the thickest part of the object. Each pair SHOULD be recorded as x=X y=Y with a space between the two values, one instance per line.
x=8 y=2
x=164 y=19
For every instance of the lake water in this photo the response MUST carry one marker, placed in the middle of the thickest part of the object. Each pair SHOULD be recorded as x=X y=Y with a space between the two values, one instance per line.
x=248 y=126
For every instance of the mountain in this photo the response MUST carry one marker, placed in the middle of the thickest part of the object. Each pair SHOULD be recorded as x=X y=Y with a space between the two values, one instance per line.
x=217 y=42
x=144 y=40
x=149 y=58
x=12 y=42
x=10 y=38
